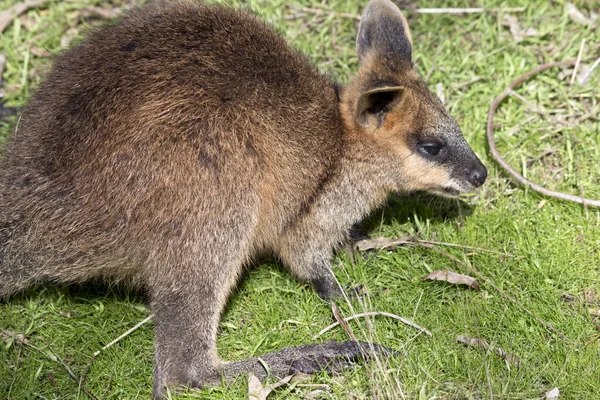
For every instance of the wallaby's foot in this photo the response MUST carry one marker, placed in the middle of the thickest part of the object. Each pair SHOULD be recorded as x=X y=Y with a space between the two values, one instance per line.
x=332 y=357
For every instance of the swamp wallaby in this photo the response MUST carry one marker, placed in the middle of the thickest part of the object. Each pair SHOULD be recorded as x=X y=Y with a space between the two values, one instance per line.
x=167 y=149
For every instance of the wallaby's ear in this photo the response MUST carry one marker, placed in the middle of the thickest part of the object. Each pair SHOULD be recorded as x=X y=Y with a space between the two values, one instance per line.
x=373 y=105
x=384 y=31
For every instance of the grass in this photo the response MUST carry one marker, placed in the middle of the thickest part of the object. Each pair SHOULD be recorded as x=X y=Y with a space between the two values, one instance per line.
x=556 y=245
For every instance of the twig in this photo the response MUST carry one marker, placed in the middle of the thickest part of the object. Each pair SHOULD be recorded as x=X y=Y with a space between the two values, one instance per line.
x=374 y=314
x=136 y=326
x=7 y=16
x=65 y=366
x=500 y=160
x=320 y=11
x=467 y=10
x=577 y=62
x=482 y=344
x=585 y=207
x=340 y=321
x=72 y=374
x=589 y=73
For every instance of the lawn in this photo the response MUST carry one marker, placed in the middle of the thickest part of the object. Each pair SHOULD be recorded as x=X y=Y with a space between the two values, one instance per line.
x=539 y=301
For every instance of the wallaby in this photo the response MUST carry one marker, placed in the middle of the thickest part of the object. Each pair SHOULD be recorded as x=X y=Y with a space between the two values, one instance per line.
x=168 y=149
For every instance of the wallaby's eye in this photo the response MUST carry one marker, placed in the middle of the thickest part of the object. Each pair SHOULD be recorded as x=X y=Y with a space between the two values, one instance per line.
x=431 y=149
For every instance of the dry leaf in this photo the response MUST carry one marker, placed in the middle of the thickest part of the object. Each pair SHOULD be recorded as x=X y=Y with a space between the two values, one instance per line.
x=10 y=336
x=256 y=391
x=453 y=278
x=578 y=17
x=541 y=204
x=552 y=394
x=515 y=28
x=7 y=16
x=482 y=344
x=381 y=243
x=39 y=52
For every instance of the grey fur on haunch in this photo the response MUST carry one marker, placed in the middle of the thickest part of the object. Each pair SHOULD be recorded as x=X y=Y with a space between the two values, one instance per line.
x=172 y=147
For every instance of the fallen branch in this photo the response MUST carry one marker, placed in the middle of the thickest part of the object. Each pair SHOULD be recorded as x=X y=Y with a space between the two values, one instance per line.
x=500 y=160
x=374 y=314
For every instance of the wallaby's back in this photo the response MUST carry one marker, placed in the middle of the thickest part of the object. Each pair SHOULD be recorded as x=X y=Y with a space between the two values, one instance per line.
x=183 y=112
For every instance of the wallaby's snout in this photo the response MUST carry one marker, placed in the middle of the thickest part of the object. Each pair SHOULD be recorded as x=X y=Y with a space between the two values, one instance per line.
x=447 y=148
x=477 y=175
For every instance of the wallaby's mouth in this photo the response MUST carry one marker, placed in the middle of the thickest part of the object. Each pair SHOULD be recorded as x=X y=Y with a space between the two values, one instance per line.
x=450 y=192
x=454 y=187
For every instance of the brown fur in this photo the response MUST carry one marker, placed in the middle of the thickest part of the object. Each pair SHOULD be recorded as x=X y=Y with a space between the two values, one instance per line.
x=172 y=147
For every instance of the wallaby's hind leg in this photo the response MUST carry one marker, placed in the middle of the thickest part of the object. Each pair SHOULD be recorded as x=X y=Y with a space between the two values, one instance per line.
x=187 y=299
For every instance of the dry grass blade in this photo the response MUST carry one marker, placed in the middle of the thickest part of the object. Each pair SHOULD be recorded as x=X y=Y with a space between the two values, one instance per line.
x=482 y=344
x=581 y=47
x=338 y=317
x=500 y=160
x=55 y=357
x=380 y=243
x=136 y=326
x=453 y=278
x=7 y=16
x=374 y=314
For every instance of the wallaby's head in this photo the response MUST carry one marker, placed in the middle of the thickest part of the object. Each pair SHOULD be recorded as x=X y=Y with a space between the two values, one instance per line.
x=391 y=108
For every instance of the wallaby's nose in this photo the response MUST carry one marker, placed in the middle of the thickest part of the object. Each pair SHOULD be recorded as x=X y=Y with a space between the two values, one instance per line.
x=477 y=175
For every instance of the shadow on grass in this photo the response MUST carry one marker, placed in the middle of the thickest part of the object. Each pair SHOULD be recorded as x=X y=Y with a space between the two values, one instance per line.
x=402 y=208
x=82 y=293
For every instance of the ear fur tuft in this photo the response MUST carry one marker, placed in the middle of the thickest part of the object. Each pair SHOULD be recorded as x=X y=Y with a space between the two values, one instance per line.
x=373 y=106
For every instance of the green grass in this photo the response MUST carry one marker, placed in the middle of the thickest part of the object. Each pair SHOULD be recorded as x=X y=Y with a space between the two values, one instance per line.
x=556 y=247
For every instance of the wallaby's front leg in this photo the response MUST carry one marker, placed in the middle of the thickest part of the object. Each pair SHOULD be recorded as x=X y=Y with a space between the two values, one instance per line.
x=311 y=262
